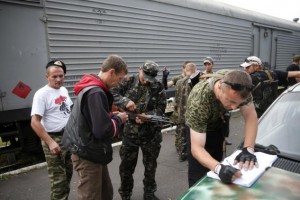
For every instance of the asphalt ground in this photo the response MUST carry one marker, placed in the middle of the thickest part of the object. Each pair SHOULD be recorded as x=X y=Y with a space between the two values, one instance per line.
x=32 y=183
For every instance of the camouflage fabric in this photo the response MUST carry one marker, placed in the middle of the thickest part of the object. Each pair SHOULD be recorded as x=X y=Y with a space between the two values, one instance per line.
x=266 y=188
x=60 y=171
x=203 y=109
x=129 y=155
x=183 y=89
x=180 y=141
x=182 y=92
x=176 y=78
x=150 y=99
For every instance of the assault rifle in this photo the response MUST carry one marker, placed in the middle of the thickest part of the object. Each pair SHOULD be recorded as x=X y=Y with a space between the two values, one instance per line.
x=150 y=118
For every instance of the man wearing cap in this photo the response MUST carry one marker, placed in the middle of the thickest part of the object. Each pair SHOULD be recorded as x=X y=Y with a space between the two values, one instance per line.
x=294 y=67
x=253 y=66
x=50 y=112
x=208 y=64
x=141 y=94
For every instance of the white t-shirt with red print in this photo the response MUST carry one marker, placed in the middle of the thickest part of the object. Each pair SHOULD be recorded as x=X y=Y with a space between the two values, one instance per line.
x=54 y=105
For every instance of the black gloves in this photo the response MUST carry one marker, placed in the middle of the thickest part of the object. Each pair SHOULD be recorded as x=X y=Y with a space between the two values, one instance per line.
x=165 y=78
x=247 y=154
x=226 y=173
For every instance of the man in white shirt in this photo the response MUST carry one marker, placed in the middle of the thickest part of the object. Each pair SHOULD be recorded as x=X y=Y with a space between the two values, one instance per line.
x=50 y=112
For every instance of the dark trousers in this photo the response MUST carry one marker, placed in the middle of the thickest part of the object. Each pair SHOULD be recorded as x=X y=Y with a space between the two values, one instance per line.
x=213 y=145
x=129 y=155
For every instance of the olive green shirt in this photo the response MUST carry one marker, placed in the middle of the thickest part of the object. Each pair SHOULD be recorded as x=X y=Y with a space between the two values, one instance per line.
x=204 y=110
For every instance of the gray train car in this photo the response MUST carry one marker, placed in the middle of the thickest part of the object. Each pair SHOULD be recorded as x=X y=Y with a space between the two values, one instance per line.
x=84 y=32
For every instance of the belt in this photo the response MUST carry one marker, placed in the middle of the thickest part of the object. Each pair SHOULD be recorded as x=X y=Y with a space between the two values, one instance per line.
x=57 y=133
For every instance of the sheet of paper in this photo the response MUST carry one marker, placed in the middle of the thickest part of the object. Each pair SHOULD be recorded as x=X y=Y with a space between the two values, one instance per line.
x=250 y=176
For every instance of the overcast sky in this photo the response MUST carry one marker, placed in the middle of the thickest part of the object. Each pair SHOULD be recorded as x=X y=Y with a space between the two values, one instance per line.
x=286 y=9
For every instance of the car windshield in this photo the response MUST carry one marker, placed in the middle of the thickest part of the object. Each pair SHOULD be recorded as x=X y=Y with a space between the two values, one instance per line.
x=280 y=126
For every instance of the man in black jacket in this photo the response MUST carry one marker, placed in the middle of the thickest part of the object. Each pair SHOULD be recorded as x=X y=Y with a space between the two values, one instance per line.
x=91 y=127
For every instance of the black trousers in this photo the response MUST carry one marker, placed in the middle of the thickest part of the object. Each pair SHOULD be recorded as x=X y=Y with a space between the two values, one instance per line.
x=213 y=145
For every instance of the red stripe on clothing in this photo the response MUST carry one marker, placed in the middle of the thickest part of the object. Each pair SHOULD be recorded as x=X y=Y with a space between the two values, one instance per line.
x=115 y=127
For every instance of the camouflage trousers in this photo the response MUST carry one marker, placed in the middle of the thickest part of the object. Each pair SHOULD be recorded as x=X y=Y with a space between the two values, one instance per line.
x=60 y=171
x=180 y=141
x=129 y=155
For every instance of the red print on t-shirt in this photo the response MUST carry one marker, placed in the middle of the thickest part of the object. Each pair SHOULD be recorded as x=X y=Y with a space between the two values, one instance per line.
x=63 y=106
x=60 y=99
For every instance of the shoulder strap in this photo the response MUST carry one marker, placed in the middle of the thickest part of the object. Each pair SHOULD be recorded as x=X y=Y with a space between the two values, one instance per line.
x=85 y=89
x=269 y=75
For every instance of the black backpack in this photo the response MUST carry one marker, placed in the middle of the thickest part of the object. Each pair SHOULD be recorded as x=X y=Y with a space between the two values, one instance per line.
x=265 y=90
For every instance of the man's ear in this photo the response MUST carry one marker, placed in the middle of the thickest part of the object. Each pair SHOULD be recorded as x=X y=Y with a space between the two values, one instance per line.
x=112 y=71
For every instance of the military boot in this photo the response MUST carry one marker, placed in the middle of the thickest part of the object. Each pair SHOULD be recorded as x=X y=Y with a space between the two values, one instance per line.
x=150 y=196
x=125 y=197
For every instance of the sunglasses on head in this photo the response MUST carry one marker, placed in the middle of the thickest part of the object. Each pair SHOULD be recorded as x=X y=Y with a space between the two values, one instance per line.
x=250 y=60
x=239 y=87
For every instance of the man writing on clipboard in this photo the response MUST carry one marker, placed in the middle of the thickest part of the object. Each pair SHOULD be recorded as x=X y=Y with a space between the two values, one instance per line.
x=207 y=101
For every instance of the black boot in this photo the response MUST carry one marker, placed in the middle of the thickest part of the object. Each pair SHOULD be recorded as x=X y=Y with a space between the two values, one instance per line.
x=125 y=197
x=150 y=196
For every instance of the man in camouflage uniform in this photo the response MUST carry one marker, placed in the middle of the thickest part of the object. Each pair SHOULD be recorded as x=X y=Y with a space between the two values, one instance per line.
x=140 y=93
x=207 y=102
x=51 y=108
x=183 y=88
x=173 y=81
x=208 y=64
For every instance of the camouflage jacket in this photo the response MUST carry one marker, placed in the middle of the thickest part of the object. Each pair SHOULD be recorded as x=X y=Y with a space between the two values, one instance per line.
x=150 y=99
x=176 y=78
x=204 y=111
x=182 y=92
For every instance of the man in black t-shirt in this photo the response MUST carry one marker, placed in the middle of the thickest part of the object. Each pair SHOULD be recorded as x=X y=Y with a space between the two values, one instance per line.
x=294 y=67
x=265 y=83
x=253 y=66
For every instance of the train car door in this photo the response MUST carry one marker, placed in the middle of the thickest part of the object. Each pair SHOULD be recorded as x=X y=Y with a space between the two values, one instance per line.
x=263 y=44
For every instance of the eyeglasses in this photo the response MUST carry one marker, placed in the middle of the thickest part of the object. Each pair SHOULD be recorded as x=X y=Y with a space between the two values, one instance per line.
x=239 y=87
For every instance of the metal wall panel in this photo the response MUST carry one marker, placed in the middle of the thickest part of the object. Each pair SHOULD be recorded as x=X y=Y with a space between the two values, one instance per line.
x=287 y=46
x=23 y=53
x=83 y=33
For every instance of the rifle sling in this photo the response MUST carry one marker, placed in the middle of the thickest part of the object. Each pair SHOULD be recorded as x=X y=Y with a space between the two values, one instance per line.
x=269 y=75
